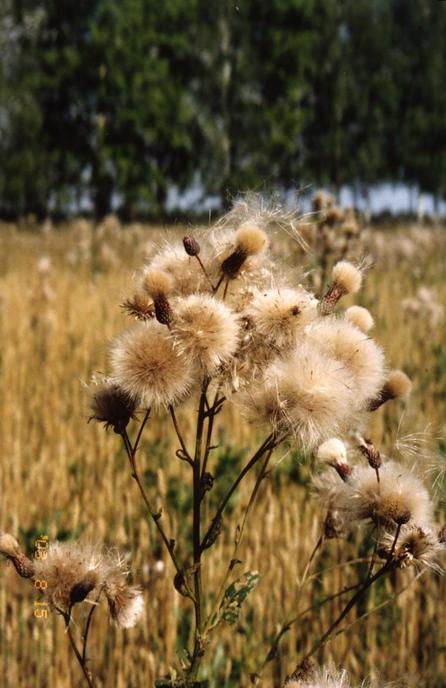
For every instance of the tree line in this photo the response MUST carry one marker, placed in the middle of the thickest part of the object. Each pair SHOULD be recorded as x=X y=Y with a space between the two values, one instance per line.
x=114 y=102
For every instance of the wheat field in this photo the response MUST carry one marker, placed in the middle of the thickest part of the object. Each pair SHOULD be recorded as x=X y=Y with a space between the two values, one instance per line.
x=60 y=290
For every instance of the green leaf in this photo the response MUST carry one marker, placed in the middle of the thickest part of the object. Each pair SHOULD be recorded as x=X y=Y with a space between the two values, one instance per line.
x=236 y=594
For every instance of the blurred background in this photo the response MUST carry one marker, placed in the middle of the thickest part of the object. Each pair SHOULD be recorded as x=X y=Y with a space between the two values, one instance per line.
x=148 y=107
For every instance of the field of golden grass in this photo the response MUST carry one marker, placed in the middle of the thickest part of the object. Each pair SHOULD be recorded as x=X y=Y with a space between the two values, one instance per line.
x=60 y=291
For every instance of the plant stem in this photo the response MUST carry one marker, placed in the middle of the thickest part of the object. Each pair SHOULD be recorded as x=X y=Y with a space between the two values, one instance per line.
x=198 y=644
x=239 y=535
x=88 y=625
x=269 y=443
x=79 y=657
x=185 y=456
x=272 y=652
x=350 y=604
x=156 y=516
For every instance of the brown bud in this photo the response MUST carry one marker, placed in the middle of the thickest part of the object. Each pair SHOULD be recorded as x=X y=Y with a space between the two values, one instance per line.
x=328 y=302
x=231 y=266
x=343 y=470
x=372 y=454
x=191 y=245
x=402 y=517
x=79 y=592
x=23 y=565
x=163 y=311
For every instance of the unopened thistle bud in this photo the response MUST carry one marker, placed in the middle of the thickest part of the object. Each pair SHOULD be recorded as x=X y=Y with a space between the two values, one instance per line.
x=250 y=240
x=191 y=245
x=158 y=285
x=10 y=548
x=398 y=386
x=371 y=453
x=346 y=280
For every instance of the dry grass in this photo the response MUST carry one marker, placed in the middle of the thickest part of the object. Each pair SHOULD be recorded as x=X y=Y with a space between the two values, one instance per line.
x=62 y=477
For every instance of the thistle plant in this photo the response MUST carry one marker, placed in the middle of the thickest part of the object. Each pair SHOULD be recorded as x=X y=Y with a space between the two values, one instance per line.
x=221 y=321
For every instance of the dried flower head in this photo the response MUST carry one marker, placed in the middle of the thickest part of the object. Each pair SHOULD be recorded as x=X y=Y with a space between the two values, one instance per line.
x=158 y=285
x=417 y=546
x=250 y=240
x=397 y=386
x=278 y=316
x=347 y=279
x=126 y=603
x=73 y=569
x=319 y=678
x=308 y=395
x=204 y=329
x=398 y=497
x=157 y=282
x=360 y=317
x=362 y=357
x=139 y=306
x=146 y=364
x=111 y=405
x=184 y=270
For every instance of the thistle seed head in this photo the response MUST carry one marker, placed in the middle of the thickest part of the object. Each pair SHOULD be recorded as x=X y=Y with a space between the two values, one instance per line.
x=360 y=317
x=397 y=386
x=139 y=306
x=147 y=365
x=417 y=546
x=205 y=330
x=157 y=283
x=111 y=405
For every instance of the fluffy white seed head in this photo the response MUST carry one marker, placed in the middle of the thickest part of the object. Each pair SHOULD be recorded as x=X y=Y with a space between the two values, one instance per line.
x=400 y=497
x=360 y=317
x=9 y=546
x=358 y=353
x=417 y=546
x=250 y=238
x=320 y=678
x=146 y=364
x=398 y=384
x=280 y=315
x=347 y=276
x=332 y=451
x=309 y=395
x=184 y=270
x=158 y=283
x=204 y=330
x=126 y=603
